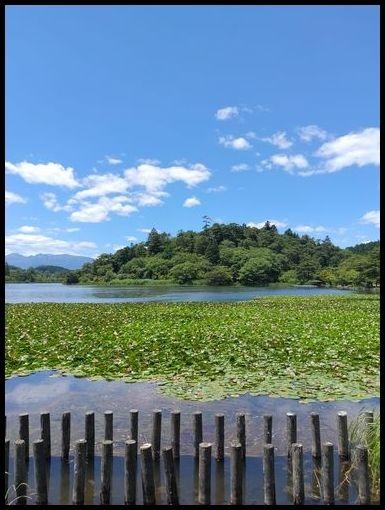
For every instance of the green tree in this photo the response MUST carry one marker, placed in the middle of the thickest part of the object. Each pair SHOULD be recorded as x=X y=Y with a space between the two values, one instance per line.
x=219 y=275
x=259 y=271
x=154 y=242
x=184 y=273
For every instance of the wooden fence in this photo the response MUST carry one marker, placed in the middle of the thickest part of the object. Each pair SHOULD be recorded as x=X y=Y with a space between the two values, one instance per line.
x=151 y=453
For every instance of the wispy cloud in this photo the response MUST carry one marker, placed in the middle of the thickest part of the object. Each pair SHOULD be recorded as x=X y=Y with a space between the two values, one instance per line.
x=31 y=244
x=308 y=229
x=226 y=113
x=279 y=139
x=50 y=201
x=113 y=161
x=191 y=202
x=311 y=132
x=29 y=229
x=144 y=230
x=53 y=174
x=99 y=211
x=239 y=143
x=261 y=224
x=216 y=189
x=287 y=162
x=13 y=198
x=131 y=239
x=242 y=167
x=371 y=218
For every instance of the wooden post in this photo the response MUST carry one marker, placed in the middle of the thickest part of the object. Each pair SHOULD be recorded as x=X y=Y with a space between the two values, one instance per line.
x=156 y=433
x=236 y=471
x=268 y=429
x=175 y=434
x=89 y=432
x=204 y=475
x=291 y=420
x=24 y=432
x=40 y=472
x=268 y=474
x=65 y=436
x=6 y=468
x=79 y=472
x=45 y=428
x=108 y=426
x=220 y=437
x=130 y=467
x=316 y=436
x=328 y=473
x=363 y=475
x=241 y=432
x=169 y=472
x=106 y=472
x=147 y=466
x=343 y=437
x=197 y=432
x=134 y=415
x=298 y=477
x=20 y=472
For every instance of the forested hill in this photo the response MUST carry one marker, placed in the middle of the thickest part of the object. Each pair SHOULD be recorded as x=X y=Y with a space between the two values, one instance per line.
x=225 y=254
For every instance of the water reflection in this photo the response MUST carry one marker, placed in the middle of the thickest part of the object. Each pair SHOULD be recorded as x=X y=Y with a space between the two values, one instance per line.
x=58 y=293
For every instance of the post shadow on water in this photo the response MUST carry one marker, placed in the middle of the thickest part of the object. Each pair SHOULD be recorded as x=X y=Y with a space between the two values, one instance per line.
x=60 y=475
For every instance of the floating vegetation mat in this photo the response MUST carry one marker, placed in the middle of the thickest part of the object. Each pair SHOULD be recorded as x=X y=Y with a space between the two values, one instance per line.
x=322 y=348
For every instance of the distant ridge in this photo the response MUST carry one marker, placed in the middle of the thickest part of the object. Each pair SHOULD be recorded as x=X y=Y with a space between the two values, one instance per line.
x=46 y=259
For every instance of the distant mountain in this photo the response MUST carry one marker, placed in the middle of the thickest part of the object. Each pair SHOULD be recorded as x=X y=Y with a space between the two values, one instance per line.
x=41 y=259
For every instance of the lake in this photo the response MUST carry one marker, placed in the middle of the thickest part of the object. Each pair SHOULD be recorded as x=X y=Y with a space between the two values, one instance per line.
x=58 y=293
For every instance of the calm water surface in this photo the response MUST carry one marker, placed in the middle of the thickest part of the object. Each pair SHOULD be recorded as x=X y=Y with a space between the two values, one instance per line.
x=49 y=391
x=58 y=293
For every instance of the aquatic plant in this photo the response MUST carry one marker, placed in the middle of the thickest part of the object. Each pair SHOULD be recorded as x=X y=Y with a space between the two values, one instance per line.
x=324 y=347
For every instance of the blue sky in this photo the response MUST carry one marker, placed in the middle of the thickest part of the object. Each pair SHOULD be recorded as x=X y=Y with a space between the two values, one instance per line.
x=123 y=118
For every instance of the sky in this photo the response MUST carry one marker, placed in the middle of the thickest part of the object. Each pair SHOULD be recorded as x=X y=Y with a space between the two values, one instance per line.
x=123 y=118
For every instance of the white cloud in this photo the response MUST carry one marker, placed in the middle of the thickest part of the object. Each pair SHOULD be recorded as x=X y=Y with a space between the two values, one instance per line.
x=13 y=198
x=239 y=144
x=260 y=224
x=242 y=167
x=144 y=230
x=360 y=148
x=156 y=162
x=227 y=113
x=308 y=133
x=100 y=185
x=50 y=202
x=31 y=244
x=307 y=229
x=53 y=174
x=372 y=218
x=191 y=202
x=97 y=212
x=64 y=229
x=27 y=229
x=113 y=161
x=279 y=139
x=216 y=189
x=287 y=162
x=131 y=239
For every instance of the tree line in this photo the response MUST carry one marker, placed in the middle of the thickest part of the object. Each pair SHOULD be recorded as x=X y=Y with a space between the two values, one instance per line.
x=226 y=254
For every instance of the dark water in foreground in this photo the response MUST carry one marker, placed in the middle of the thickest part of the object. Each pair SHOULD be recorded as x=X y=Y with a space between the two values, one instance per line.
x=58 y=293
x=45 y=391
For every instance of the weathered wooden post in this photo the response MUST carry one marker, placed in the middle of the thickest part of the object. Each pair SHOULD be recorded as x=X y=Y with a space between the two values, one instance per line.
x=241 y=432
x=46 y=433
x=316 y=436
x=79 y=472
x=363 y=475
x=268 y=474
x=175 y=433
x=108 y=425
x=328 y=473
x=6 y=468
x=204 y=496
x=343 y=437
x=220 y=437
x=40 y=472
x=147 y=467
x=65 y=436
x=130 y=467
x=106 y=472
x=134 y=418
x=156 y=433
x=20 y=472
x=89 y=432
x=197 y=432
x=267 y=429
x=236 y=471
x=170 y=476
x=24 y=432
x=291 y=421
x=298 y=477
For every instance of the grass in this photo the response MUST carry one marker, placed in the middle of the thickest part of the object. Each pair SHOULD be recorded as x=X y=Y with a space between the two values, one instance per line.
x=361 y=433
x=320 y=347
